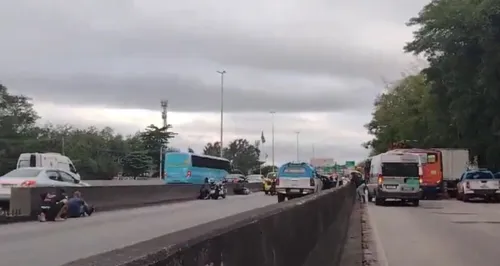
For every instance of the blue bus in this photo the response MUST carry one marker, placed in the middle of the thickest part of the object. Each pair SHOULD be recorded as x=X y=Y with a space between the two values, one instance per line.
x=189 y=168
x=296 y=180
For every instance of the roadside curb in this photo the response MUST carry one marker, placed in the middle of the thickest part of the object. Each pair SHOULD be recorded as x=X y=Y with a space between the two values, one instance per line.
x=367 y=243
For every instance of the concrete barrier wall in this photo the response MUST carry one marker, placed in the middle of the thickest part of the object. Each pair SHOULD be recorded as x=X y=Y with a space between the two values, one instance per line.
x=309 y=231
x=25 y=202
x=153 y=181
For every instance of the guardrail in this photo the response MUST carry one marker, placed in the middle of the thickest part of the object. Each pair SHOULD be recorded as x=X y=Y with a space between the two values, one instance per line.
x=25 y=202
x=309 y=231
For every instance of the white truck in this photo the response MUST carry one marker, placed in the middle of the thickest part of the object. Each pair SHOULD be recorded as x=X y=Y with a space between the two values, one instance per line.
x=454 y=163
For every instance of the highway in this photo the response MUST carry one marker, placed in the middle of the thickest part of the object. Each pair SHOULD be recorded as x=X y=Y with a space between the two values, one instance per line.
x=56 y=243
x=444 y=233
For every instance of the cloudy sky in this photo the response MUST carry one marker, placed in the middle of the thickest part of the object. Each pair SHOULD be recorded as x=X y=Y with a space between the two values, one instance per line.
x=318 y=63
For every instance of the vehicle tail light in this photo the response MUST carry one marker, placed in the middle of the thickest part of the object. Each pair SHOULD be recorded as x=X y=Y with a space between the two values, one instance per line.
x=421 y=179
x=188 y=174
x=277 y=181
x=311 y=182
x=380 y=179
x=28 y=183
x=467 y=184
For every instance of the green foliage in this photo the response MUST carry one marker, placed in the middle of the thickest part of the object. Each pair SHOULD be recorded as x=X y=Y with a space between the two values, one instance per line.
x=97 y=153
x=244 y=156
x=136 y=163
x=454 y=101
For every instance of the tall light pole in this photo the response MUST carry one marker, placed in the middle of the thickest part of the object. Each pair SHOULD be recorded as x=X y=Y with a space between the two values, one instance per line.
x=272 y=136
x=164 y=106
x=297 y=132
x=221 y=110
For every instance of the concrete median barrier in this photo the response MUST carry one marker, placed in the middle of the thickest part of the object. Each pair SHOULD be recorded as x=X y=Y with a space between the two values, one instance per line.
x=25 y=202
x=309 y=231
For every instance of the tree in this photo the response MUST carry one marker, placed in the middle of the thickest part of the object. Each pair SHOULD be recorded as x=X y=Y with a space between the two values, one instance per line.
x=190 y=150
x=404 y=114
x=156 y=138
x=460 y=41
x=212 y=149
x=244 y=156
x=136 y=163
x=266 y=169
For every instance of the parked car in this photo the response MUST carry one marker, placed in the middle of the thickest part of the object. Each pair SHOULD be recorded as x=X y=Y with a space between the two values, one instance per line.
x=235 y=178
x=36 y=177
x=258 y=179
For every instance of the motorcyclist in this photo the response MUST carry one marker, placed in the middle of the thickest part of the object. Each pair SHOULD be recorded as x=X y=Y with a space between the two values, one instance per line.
x=240 y=188
x=205 y=189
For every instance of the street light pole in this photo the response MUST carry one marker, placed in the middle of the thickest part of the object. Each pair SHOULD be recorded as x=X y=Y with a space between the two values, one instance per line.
x=221 y=109
x=297 y=132
x=272 y=137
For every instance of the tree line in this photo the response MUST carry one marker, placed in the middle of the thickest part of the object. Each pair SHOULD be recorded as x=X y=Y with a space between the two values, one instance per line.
x=98 y=153
x=454 y=101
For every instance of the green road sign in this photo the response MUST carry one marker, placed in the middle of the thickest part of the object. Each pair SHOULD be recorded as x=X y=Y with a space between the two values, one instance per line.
x=350 y=164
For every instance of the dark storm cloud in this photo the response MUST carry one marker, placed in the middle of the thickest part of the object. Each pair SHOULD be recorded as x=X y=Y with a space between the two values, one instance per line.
x=128 y=43
x=184 y=95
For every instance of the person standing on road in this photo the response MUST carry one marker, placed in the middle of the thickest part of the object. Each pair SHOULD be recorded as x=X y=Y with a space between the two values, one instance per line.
x=359 y=181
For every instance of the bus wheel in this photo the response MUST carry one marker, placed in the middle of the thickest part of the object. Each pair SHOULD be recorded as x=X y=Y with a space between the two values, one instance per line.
x=281 y=197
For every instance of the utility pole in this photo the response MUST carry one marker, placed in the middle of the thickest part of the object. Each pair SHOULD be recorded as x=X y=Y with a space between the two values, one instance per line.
x=272 y=137
x=221 y=110
x=63 y=146
x=297 y=132
x=164 y=106
x=314 y=154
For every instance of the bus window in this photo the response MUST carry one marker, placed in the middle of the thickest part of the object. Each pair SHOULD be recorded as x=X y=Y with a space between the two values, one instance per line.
x=205 y=162
x=431 y=158
x=177 y=160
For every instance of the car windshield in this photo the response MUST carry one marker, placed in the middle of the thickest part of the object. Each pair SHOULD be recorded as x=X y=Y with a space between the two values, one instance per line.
x=479 y=175
x=22 y=173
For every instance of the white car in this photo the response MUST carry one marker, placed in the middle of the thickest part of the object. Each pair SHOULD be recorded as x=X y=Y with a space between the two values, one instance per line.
x=36 y=177
x=478 y=184
x=259 y=179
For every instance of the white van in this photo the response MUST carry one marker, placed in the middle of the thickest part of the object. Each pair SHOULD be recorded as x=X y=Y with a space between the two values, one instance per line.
x=395 y=176
x=47 y=160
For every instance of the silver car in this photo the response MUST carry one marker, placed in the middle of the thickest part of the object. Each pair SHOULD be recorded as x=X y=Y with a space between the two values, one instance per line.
x=36 y=177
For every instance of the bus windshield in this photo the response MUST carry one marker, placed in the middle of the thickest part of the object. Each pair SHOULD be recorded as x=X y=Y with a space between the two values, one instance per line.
x=400 y=169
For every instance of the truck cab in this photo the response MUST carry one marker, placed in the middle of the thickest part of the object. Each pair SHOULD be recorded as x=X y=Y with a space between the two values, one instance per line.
x=47 y=160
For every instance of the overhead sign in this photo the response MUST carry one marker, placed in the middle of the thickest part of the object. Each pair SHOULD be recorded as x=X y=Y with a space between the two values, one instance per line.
x=350 y=164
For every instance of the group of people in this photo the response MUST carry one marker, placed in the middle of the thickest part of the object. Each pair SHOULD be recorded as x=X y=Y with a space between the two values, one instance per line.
x=58 y=206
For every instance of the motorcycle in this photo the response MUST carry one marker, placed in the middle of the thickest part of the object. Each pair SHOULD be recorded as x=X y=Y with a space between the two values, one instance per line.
x=269 y=186
x=217 y=190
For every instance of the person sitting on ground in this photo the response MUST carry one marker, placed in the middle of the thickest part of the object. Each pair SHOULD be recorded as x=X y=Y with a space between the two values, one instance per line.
x=77 y=207
x=54 y=206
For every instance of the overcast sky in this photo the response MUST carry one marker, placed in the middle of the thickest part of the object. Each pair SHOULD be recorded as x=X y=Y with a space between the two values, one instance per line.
x=318 y=63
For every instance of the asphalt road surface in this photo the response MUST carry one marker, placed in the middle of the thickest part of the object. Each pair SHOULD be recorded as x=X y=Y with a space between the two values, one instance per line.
x=56 y=243
x=438 y=233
